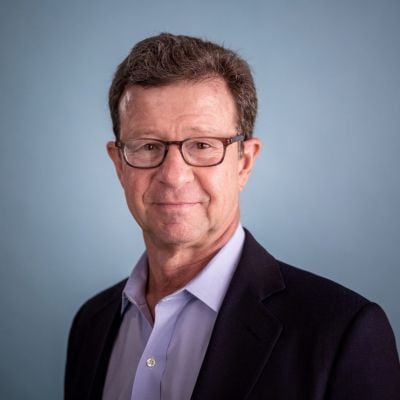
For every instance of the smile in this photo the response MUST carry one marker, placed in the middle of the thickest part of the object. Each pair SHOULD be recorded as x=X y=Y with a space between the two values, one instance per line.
x=175 y=206
x=180 y=204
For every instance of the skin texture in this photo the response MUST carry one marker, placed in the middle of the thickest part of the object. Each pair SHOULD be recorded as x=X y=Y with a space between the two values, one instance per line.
x=186 y=213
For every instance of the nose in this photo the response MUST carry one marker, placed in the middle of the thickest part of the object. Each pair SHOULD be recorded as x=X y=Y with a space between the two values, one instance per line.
x=174 y=171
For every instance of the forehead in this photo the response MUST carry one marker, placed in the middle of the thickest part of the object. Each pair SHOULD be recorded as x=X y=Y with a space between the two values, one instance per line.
x=184 y=106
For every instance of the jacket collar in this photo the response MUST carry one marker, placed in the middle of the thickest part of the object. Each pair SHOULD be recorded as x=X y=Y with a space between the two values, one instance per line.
x=245 y=331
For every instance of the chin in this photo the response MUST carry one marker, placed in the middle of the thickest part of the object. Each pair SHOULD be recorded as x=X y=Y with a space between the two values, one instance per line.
x=179 y=235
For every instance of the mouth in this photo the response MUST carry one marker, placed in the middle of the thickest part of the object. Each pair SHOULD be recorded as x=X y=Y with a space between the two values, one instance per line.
x=177 y=204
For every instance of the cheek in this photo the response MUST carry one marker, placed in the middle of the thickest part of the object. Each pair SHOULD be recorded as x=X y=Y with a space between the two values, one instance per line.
x=223 y=187
x=134 y=187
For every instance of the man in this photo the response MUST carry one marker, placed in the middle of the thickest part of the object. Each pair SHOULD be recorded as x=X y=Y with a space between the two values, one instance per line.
x=207 y=313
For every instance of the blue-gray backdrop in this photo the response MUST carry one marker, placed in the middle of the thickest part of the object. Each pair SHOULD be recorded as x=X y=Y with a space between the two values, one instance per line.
x=324 y=196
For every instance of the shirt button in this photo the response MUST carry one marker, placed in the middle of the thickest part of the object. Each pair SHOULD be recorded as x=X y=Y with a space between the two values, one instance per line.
x=151 y=362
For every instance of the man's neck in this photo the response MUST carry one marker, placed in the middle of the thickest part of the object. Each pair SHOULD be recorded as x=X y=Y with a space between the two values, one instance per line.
x=171 y=268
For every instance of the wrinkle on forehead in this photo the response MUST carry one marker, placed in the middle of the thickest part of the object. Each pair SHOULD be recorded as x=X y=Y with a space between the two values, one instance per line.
x=127 y=103
x=206 y=106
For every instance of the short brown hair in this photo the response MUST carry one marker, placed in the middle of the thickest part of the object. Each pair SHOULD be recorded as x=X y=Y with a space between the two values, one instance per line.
x=167 y=58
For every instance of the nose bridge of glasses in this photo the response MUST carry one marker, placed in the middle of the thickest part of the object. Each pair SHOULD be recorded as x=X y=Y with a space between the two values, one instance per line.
x=174 y=170
x=179 y=144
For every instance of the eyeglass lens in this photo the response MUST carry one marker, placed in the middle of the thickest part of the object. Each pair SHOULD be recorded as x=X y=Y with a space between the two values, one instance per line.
x=146 y=153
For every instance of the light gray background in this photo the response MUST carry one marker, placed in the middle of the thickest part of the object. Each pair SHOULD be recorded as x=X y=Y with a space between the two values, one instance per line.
x=324 y=196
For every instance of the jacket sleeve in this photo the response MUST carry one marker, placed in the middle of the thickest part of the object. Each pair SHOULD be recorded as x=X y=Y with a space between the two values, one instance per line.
x=367 y=364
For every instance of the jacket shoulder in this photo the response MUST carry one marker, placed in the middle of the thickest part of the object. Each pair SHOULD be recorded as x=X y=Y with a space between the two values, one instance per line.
x=299 y=289
x=101 y=300
x=317 y=290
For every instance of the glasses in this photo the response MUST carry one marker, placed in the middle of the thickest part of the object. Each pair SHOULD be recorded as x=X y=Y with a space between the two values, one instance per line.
x=198 y=152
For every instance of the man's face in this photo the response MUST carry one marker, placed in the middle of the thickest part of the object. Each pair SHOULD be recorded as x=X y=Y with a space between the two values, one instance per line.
x=177 y=204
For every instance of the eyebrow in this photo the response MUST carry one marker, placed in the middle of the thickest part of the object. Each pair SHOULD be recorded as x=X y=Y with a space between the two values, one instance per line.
x=152 y=133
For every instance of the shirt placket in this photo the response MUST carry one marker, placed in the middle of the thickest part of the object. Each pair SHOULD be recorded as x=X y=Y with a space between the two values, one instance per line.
x=148 y=379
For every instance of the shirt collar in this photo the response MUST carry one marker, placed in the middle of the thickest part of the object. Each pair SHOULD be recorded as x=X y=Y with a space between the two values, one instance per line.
x=209 y=286
x=135 y=288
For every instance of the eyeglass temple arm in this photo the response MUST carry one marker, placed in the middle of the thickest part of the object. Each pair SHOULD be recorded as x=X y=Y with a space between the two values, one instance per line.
x=237 y=138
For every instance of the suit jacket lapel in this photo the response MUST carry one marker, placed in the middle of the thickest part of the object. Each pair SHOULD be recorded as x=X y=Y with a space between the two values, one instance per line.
x=245 y=331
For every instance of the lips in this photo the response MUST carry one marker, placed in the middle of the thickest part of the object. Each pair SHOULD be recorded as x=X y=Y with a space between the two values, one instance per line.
x=178 y=203
x=174 y=201
x=175 y=206
x=183 y=199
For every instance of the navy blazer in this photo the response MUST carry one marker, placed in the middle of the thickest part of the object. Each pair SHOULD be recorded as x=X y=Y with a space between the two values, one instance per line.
x=281 y=334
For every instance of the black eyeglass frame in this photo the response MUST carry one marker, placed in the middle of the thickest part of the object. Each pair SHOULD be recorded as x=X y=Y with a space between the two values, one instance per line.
x=225 y=141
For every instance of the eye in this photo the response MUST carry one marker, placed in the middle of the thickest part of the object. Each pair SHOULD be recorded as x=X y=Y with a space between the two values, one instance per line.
x=149 y=146
x=143 y=146
x=202 y=145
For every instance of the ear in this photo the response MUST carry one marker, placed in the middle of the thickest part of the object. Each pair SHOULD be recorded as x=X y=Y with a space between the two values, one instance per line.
x=115 y=156
x=251 y=148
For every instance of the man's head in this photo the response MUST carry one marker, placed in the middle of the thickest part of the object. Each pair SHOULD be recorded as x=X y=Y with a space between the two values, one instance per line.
x=166 y=59
x=181 y=186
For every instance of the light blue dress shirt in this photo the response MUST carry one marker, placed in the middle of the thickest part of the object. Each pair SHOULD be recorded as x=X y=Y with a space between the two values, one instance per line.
x=161 y=360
